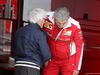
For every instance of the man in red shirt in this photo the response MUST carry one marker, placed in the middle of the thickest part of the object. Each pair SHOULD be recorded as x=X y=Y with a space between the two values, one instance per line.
x=65 y=41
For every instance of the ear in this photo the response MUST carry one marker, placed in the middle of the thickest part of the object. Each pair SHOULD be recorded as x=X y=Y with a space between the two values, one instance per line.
x=54 y=17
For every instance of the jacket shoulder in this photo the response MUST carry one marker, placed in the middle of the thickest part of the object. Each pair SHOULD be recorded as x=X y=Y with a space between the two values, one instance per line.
x=74 y=22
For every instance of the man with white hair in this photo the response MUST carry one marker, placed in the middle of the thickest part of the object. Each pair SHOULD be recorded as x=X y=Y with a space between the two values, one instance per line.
x=30 y=48
x=65 y=41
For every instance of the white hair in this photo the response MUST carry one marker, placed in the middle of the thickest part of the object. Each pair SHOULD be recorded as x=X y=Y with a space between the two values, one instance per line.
x=61 y=13
x=37 y=14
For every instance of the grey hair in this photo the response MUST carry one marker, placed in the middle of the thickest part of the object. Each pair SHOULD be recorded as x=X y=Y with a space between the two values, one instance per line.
x=61 y=13
x=37 y=14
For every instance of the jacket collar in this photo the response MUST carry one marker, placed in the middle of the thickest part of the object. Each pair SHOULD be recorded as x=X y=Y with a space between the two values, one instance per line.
x=36 y=26
x=51 y=16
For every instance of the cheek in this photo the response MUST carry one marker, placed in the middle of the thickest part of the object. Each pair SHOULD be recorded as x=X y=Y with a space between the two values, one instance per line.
x=44 y=21
x=58 y=24
x=63 y=25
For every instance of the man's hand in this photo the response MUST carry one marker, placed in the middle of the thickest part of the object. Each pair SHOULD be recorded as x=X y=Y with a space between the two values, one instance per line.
x=46 y=63
x=75 y=72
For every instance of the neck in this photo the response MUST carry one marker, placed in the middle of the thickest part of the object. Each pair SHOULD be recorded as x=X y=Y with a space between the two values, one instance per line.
x=40 y=24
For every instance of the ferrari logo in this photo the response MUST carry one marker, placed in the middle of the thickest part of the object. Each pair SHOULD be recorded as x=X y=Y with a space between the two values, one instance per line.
x=50 y=25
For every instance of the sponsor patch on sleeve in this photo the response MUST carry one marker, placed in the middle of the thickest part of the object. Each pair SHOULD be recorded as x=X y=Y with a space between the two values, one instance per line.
x=48 y=25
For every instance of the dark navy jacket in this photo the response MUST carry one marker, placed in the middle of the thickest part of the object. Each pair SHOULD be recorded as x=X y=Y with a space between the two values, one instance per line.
x=30 y=44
